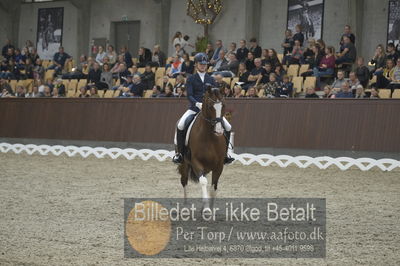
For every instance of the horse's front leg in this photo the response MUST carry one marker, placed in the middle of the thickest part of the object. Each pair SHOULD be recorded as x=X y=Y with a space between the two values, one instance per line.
x=214 y=185
x=203 y=182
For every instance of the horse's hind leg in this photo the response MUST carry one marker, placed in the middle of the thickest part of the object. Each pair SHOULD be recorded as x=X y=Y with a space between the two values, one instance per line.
x=184 y=171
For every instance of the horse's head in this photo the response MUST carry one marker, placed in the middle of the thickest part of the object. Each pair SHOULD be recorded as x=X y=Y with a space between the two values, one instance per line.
x=214 y=108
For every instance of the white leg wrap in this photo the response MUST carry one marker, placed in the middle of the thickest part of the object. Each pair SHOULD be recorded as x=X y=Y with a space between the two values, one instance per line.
x=203 y=183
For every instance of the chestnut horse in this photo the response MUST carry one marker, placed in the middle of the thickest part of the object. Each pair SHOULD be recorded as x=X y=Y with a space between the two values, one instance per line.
x=206 y=148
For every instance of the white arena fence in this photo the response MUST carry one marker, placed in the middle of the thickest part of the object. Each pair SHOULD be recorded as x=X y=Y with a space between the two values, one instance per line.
x=343 y=163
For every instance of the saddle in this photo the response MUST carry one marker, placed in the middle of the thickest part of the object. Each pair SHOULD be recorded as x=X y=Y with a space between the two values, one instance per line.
x=188 y=127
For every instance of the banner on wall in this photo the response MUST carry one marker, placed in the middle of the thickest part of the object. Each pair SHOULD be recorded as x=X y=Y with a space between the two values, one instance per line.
x=49 y=31
x=307 y=13
x=394 y=22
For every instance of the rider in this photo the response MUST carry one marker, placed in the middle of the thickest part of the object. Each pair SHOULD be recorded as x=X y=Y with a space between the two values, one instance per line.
x=196 y=86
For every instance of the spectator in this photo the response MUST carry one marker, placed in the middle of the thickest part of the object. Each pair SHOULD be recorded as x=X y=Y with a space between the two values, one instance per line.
x=231 y=68
x=279 y=72
x=144 y=57
x=55 y=93
x=138 y=87
x=117 y=68
x=322 y=45
x=217 y=51
x=326 y=65
x=264 y=56
x=257 y=73
x=379 y=60
x=297 y=55
x=227 y=91
x=374 y=93
x=346 y=92
x=111 y=54
x=126 y=86
x=255 y=49
x=288 y=42
x=395 y=83
x=59 y=60
x=349 y=53
x=362 y=72
x=250 y=61
x=339 y=80
x=221 y=62
x=267 y=71
x=347 y=33
x=242 y=51
x=79 y=71
x=309 y=52
x=100 y=55
x=232 y=50
x=353 y=82
x=168 y=92
x=251 y=93
x=180 y=84
x=243 y=74
x=158 y=59
x=34 y=55
x=93 y=92
x=148 y=77
x=327 y=92
x=299 y=36
x=273 y=58
x=186 y=46
x=273 y=87
x=310 y=93
x=156 y=91
x=9 y=55
x=359 y=92
x=47 y=92
x=237 y=92
x=164 y=84
x=29 y=46
x=391 y=52
x=5 y=86
x=187 y=66
x=20 y=91
x=178 y=51
x=35 y=92
x=83 y=92
x=106 y=78
x=94 y=75
x=125 y=72
x=176 y=68
x=28 y=68
x=177 y=39
x=209 y=50
x=7 y=47
x=181 y=92
x=285 y=89
x=60 y=88
x=383 y=79
x=127 y=57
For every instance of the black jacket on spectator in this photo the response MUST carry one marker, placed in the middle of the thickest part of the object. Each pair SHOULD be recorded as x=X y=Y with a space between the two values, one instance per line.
x=5 y=49
x=241 y=54
x=250 y=65
x=128 y=59
x=148 y=79
x=188 y=69
x=123 y=75
x=94 y=76
x=244 y=77
x=231 y=66
x=256 y=51
x=299 y=36
x=362 y=74
x=137 y=89
x=288 y=50
x=61 y=58
x=161 y=59
x=145 y=58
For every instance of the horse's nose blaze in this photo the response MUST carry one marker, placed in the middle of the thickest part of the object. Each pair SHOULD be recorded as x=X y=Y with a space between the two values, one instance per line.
x=218 y=111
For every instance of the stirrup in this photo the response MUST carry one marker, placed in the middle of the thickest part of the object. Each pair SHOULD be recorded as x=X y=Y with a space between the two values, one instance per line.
x=178 y=158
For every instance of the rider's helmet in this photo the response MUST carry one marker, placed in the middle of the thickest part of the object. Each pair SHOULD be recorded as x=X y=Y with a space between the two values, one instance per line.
x=201 y=58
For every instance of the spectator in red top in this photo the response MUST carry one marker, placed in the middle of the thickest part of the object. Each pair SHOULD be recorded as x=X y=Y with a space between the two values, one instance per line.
x=326 y=66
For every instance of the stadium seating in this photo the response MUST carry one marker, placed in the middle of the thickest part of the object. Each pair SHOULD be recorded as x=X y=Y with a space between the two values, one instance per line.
x=384 y=93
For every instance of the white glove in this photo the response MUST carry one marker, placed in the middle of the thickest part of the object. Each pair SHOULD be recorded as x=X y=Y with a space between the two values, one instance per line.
x=199 y=105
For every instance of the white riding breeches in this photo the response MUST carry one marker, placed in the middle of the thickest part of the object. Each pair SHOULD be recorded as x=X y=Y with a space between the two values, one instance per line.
x=181 y=123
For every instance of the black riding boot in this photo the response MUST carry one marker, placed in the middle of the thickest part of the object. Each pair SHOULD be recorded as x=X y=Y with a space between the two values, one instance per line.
x=228 y=159
x=180 y=141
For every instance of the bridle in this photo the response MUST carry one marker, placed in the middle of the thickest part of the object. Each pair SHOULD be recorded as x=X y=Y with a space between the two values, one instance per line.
x=216 y=120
